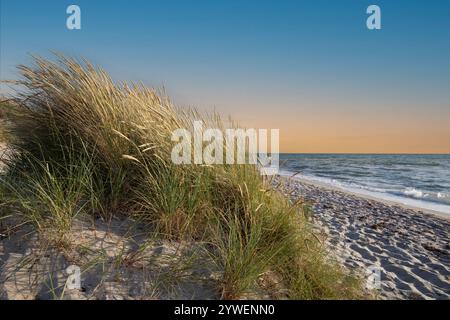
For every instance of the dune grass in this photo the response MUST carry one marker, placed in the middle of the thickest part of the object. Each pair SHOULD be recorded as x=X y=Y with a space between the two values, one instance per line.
x=87 y=146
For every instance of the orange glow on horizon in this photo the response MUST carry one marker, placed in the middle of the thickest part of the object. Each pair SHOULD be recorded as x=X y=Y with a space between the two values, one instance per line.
x=358 y=134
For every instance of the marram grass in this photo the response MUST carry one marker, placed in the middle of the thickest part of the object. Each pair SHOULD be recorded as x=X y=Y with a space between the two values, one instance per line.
x=85 y=145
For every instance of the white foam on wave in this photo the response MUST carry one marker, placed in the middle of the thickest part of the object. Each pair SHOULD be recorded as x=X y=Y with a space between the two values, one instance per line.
x=379 y=193
x=412 y=192
x=442 y=195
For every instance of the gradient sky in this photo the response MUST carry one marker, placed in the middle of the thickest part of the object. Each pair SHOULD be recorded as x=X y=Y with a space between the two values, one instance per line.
x=310 y=68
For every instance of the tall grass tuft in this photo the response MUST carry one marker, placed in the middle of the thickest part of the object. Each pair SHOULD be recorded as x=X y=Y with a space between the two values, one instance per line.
x=86 y=145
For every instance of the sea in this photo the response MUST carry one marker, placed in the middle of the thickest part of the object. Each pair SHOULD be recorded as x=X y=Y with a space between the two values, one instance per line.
x=421 y=181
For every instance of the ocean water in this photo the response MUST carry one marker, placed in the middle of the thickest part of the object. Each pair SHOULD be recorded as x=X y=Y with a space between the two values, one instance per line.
x=421 y=181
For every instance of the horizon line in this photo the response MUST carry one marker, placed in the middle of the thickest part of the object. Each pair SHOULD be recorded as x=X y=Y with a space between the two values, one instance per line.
x=370 y=153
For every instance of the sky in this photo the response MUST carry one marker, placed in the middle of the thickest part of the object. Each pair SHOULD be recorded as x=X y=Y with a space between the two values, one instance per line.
x=309 y=68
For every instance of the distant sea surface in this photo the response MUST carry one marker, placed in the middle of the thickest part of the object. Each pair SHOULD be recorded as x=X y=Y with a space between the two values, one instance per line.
x=422 y=181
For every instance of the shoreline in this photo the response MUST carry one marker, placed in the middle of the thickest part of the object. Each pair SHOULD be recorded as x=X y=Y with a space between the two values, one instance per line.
x=324 y=185
x=410 y=246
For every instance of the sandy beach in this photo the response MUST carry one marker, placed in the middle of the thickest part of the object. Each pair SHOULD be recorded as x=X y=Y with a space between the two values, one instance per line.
x=409 y=247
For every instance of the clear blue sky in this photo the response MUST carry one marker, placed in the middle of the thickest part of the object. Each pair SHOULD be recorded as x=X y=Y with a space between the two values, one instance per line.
x=267 y=63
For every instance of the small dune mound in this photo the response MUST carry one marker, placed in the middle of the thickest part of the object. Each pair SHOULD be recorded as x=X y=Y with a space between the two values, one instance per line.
x=89 y=149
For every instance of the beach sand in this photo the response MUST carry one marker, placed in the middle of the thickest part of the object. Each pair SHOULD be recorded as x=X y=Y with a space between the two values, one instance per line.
x=117 y=261
x=409 y=248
